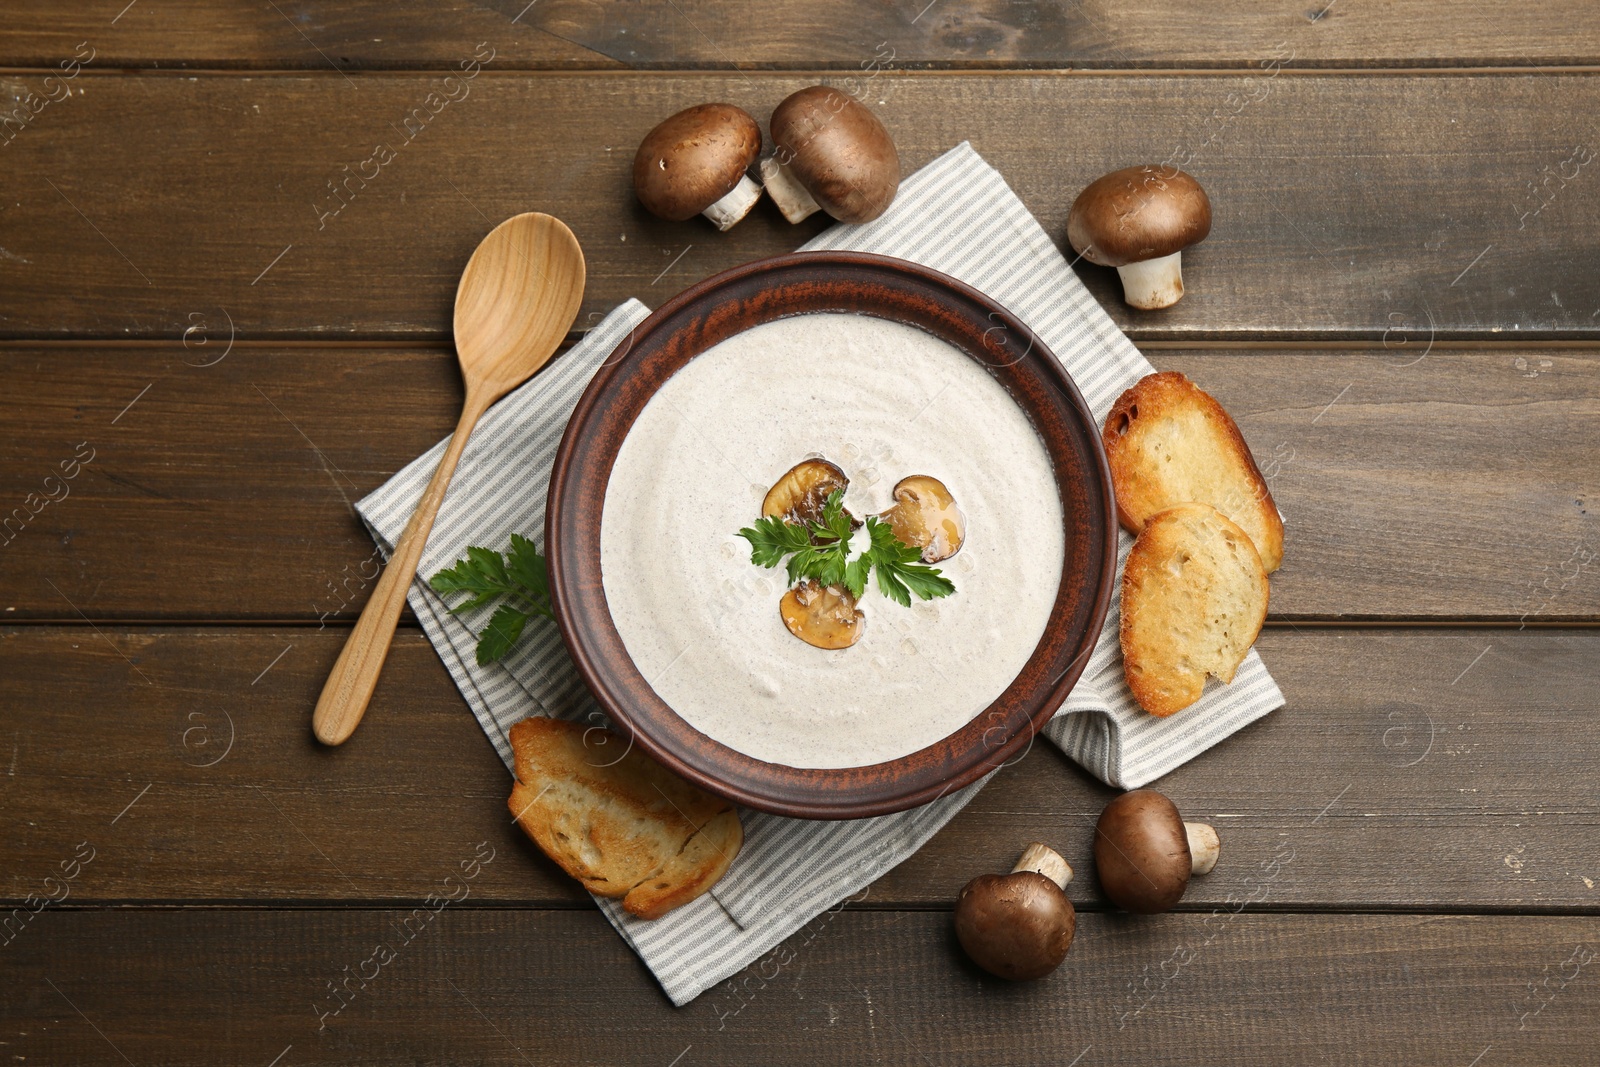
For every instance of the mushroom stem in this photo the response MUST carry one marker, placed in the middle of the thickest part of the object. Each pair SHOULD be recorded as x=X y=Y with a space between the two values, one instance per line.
x=1042 y=859
x=735 y=204
x=1204 y=847
x=787 y=192
x=1153 y=283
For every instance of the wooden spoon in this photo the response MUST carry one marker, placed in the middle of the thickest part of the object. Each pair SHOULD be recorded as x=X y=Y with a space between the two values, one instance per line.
x=517 y=299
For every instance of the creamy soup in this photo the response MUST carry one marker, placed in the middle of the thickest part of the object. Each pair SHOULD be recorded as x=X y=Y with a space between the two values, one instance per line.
x=883 y=401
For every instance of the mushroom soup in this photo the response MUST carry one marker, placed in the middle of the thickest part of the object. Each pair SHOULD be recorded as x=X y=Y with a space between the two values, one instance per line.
x=883 y=401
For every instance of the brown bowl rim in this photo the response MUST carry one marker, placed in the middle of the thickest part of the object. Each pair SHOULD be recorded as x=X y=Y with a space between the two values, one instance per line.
x=690 y=323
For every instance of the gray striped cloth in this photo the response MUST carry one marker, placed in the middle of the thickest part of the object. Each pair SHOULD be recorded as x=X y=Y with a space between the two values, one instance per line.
x=958 y=216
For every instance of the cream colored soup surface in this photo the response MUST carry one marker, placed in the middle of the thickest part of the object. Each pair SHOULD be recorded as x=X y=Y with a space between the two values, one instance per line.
x=883 y=401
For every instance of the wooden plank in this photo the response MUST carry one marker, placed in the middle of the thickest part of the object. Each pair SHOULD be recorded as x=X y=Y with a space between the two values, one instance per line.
x=1410 y=769
x=383 y=34
x=320 y=37
x=1418 y=484
x=479 y=986
x=1382 y=206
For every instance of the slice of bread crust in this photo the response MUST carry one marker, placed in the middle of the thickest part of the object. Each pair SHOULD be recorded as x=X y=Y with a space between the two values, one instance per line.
x=617 y=820
x=1194 y=596
x=1169 y=442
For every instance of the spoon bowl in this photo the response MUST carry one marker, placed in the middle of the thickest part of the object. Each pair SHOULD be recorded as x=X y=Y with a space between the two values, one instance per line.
x=517 y=299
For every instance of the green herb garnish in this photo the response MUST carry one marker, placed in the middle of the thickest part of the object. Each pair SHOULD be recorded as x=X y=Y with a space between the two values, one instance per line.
x=486 y=575
x=900 y=569
x=821 y=550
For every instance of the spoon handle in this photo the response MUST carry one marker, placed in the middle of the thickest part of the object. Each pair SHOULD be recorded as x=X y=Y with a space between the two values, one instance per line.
x=351 y=682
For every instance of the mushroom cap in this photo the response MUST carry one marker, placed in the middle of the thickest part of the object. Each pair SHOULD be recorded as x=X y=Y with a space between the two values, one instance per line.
x=1141 y=852
x=1138 y=213
x=925 y=516
x=1016 y=926
x=693 y=159
x=838 y=150
x=803 y=491
x=823 y=616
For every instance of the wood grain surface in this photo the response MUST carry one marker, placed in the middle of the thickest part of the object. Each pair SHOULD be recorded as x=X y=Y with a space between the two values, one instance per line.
x=207 y=355
x=1421 y=770
x=514 y=986
x=665 y=34
x=1419 y=483
x=1382 y=207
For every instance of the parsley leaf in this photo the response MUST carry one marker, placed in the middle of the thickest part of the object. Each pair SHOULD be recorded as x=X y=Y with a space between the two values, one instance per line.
x=771 y=539
x=855 y=575
x=482 y=573
x=505 y=626
x=829 y=556
x=808 y=562
x=899 y=568
x=485 y=576
x=526 y=567
x=835 y=524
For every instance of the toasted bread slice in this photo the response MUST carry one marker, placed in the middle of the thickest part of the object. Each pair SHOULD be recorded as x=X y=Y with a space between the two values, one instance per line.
x=1194 y=596
x=617 y=820
x=1169 y=443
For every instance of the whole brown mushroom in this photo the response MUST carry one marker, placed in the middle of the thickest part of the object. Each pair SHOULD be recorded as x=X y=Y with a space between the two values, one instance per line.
x=1019 y=926
x=830 y=151
x=694 y=163
x=1144 y=852
x=1139 y=220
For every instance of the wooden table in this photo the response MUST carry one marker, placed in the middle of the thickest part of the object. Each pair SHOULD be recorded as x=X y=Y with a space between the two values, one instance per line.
x=205 y=363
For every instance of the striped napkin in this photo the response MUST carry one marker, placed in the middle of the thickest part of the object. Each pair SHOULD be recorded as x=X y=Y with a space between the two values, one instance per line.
x=958 y=216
